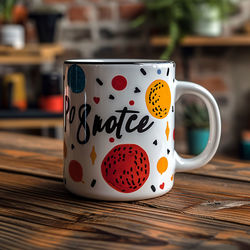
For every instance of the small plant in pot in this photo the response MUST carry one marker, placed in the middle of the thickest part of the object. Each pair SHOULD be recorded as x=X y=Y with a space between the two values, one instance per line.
x=177 y=18
x=12 y=15
x=196 y=121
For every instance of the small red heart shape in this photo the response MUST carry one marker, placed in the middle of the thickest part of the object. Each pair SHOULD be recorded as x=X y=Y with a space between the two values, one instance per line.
x=162 y=185
x=96 y=100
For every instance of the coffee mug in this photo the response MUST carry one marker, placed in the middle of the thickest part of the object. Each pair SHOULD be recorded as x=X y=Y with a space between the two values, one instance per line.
x=119 y=128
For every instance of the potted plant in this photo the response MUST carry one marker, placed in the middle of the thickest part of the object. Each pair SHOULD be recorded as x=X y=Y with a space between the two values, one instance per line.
x=11 y=31
x=45 y=20
x=196 y=121
x=178 y=18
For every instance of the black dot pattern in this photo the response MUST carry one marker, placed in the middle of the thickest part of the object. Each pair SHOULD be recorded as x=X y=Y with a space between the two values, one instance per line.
x=153 y=188
x=93 y=182
x=143 y=71
x=99 y=81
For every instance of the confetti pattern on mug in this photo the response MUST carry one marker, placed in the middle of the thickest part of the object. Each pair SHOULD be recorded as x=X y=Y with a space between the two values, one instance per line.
x=93 y=155
x=76 y=78
x=162 y=185
x=162 y=165
x=126 y=167
x=158 y=99
x=167 y=131
x=119 y=82
x=75 y=171
x=96 y=99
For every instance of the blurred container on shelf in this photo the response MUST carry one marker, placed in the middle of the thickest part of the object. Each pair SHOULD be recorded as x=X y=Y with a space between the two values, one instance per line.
x=14 y=91
x=245 y=144
x=13 y=15
x=197 y=125
x=51 y=99
x=209 y=23
x=197 y=140
x=19 y=13
x=13 y=35
x=45 y=20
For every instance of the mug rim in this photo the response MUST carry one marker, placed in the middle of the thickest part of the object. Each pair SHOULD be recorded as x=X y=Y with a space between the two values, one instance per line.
x=118 y=61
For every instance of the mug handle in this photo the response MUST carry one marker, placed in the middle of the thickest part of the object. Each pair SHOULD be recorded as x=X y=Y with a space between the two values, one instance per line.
x=183 y=164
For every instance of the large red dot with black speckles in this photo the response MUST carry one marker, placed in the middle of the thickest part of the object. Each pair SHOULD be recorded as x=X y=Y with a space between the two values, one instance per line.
x=119 y=82
x=126 y=167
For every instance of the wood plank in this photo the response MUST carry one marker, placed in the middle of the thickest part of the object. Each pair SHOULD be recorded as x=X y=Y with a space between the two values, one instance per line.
x=30 y=123
x=32 y=49
x=236 y=40
x=218 y=167
x=35 y=155
x=31 y=54
x=28 y=143
x=224 y=168
x=208 y=197
x=36 y=212
x=195 y=190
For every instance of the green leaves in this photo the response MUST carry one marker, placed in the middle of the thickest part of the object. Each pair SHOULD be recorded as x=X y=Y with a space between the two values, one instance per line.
x=176 y=17
x=196 y=116
x=174 y=38
x=6 y=7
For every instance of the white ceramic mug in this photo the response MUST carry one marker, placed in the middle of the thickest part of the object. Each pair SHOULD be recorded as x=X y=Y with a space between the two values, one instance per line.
x=119 y=128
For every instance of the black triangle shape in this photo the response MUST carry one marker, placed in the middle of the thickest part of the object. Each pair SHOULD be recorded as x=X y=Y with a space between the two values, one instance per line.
x=168 y=151
x=111 y=97
x=72 y=146
x=137 y=90
x=155 y=142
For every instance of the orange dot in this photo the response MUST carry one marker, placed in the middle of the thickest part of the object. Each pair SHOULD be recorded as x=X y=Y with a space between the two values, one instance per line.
x=158 y=99
x=162 y=165
x=172 y=177
x=167 y=131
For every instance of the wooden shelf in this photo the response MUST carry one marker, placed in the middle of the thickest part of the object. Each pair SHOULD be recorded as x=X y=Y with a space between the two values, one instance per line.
x=240 y=40
x=30 y=123
x=31 y=54
x=29 y=119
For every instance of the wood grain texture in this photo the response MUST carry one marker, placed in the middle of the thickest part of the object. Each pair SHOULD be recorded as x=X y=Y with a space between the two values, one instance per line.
x=202 y=211
x=30 y=123
x=239 y=40
x=31 y=54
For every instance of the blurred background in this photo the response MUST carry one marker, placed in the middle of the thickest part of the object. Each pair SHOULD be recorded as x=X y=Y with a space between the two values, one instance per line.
x=208 y=39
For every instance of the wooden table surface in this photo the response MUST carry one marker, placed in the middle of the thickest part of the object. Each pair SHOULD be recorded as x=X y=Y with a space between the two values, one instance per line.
x=207 y=209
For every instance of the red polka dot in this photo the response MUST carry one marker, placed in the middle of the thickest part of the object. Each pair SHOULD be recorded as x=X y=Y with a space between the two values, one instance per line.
x=131 y=102
x=174 y=134
x=119 y=82
x=111 y=139
x=75 y=170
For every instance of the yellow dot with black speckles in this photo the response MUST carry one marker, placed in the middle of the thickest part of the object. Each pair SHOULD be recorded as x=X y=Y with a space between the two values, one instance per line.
x=158 y=99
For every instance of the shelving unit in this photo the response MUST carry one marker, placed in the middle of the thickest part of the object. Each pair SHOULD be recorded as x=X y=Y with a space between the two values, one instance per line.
x=29 y=119
x=34 y=54
x=189 y=41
